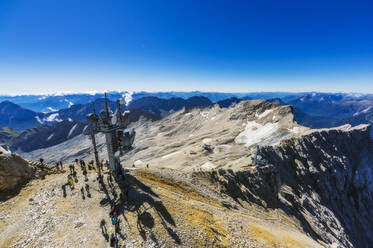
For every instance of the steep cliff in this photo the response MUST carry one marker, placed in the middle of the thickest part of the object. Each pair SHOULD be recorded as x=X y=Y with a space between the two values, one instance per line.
x=323 y=178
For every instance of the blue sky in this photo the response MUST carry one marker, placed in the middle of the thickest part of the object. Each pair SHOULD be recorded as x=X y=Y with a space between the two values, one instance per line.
x=237 y=46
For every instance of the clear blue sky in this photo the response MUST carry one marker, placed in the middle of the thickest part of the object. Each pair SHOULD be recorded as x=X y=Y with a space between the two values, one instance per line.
x=239 y=46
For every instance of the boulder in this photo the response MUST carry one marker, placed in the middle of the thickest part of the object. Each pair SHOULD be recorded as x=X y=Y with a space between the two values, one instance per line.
x=14 y=171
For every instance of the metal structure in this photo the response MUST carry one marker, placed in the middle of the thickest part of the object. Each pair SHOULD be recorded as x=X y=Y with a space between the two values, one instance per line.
x=118 y=138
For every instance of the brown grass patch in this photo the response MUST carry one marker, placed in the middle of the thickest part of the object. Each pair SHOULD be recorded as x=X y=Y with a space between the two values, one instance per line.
x=177 y=187
x=272 y=239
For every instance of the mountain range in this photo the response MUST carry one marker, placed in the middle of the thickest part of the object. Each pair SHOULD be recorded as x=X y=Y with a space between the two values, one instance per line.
x=43 y=129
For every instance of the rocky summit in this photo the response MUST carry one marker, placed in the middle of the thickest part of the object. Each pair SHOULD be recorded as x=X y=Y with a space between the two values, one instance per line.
x=246 y=175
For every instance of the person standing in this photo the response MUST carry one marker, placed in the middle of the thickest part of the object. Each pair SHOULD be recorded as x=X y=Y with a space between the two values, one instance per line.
x=82 y=190
x=85 y=175
x=64 y=190
x=71 y=182
x=87 y=189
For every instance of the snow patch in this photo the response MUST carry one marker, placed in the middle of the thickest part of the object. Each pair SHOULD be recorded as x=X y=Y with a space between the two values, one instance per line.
x=50 y=136
x=206 y=141
x=3 y=150
x=170 y=155
x=295 y=130
x=138 y=162
x=85 y=127
x=363 y=111
x=51 y=109
x=208 y=165
x=38 y=119
x=53 y=118
x=70 y=103
x=205 y=114
x=255 y=133
x=264 y=114
x=72 y=130
x=69 y=119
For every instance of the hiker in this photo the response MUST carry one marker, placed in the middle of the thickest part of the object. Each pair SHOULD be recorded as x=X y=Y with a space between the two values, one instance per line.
x=71 y=167
x=64 y=190
x=117 y=226
x=104 y=230
x=113 y=240
x=82 y=190
x=112 y=211
x=100 y=179
x=41 y=163
x=90 y=165
x=100 y=182
x=114 y=220
x=87 y=189
x=85 y=174
x=82 y=165
x=57 y=166
x=71 y=182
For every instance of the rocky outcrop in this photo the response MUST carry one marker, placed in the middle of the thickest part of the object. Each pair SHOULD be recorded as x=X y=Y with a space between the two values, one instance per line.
x=323 y=178
x=327 y=179
x=14 y=171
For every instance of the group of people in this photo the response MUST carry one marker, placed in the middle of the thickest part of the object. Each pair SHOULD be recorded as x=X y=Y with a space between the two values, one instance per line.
x=59 y=166
x=114 y=203
x=72 y=178
x=113 y=236
x=87 y=190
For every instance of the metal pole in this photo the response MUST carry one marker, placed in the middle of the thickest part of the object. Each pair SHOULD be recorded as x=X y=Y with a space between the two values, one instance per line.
x=96 y=153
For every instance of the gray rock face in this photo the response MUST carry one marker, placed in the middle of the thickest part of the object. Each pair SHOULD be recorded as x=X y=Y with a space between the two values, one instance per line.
x=323 y=178
x=13 y=172
x=327 y=181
